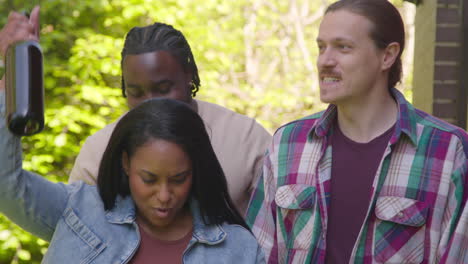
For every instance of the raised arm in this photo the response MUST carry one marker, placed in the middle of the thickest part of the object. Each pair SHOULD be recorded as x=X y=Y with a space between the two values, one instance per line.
x=29 y=200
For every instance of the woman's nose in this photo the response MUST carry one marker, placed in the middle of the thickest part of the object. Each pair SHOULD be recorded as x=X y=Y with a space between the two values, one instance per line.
x=163 y=194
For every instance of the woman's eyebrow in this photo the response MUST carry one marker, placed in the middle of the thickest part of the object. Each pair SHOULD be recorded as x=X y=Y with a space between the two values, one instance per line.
x=181 y=173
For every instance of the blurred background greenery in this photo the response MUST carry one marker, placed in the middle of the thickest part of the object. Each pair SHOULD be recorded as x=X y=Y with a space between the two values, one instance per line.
x=256 y=57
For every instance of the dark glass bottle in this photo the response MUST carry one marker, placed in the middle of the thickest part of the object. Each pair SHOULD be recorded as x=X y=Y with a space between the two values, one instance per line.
x=24 y=88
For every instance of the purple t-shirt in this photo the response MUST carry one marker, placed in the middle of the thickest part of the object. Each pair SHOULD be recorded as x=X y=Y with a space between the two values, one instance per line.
x=354 y=166
x=153 y=250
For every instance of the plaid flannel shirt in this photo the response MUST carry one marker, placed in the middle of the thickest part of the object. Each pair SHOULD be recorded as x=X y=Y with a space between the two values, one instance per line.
x=417 y=209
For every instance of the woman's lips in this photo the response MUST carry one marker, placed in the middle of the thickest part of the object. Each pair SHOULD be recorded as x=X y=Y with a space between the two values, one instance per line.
x=162 y=212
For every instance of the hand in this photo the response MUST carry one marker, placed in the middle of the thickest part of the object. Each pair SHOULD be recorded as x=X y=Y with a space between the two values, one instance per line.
x=18 y=28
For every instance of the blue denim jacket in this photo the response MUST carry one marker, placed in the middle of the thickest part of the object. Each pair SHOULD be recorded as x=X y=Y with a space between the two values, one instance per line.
x=73 y=219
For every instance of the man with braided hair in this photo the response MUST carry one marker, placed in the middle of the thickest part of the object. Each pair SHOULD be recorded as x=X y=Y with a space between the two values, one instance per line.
x=157 y=62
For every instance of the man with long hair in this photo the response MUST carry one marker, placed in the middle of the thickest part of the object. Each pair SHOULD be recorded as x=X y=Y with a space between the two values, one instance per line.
x=371 y=179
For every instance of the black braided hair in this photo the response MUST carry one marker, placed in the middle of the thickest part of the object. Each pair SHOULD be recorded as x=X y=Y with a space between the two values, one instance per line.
x=161 y=37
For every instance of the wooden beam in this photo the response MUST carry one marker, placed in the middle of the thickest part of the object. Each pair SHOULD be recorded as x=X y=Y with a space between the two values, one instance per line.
x=463 y=91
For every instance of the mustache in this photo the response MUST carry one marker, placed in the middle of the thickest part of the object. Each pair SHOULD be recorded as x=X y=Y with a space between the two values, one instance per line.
x=329 y=72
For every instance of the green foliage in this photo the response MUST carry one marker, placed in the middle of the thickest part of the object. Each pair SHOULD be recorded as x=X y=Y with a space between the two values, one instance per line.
x=256 y=57
x=18 y=246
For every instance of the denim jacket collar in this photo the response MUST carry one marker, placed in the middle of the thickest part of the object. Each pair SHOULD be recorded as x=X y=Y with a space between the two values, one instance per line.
x=207 y=234
x=124 y=212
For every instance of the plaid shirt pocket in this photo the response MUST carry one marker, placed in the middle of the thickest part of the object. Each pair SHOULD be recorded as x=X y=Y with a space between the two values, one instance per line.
x=399 y=230
x=297 y=203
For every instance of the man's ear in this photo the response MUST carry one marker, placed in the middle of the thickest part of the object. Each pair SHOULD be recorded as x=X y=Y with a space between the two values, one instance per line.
x=188 y=80
x=390 y=55
x=188 y=77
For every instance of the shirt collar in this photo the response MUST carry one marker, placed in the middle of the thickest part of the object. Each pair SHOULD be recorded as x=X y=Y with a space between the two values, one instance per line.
x=405 y=124
x=124 y=213
x=207 y=234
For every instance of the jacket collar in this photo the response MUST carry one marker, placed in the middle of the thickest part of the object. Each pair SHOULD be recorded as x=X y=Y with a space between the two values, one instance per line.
x=207 y=234
x=124 y=212
x=405 y=124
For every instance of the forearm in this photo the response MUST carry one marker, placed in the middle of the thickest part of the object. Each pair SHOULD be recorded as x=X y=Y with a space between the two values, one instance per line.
x=27 y=199
x=10 y=156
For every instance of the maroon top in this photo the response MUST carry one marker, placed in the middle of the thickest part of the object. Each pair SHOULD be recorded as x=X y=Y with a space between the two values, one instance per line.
x=153 y=250
x=354 y=166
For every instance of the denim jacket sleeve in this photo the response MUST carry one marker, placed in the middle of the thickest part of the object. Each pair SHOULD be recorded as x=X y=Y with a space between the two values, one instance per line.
x=27 y=199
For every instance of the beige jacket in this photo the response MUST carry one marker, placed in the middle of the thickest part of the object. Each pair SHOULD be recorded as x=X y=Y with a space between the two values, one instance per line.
x=238 y=141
